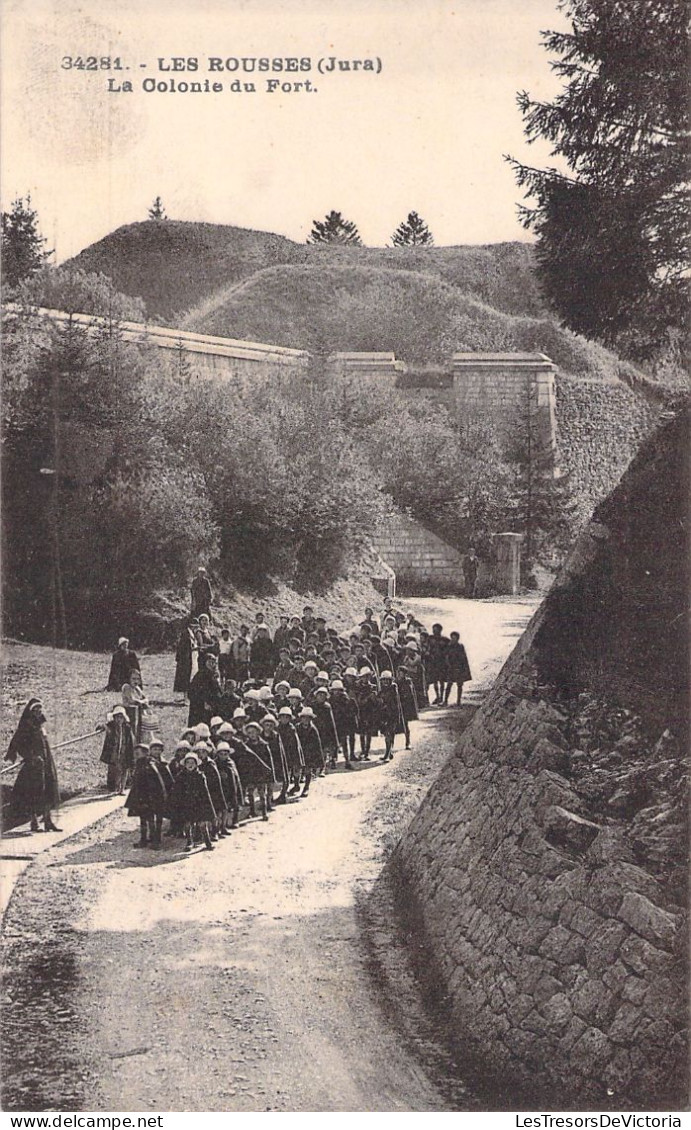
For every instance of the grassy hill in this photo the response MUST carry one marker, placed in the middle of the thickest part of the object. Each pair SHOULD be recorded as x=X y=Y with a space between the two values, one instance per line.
x=423 y=318
x=423 y=303
x=176 y=266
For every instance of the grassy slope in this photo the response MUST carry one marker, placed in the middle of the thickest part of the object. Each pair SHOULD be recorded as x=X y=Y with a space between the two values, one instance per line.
x=176 y=266
x=418 y=315
x=423 y=303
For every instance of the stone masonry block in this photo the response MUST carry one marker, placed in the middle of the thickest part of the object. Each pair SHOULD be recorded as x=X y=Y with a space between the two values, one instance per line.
x=602 y=948
x=567 y=829
x=648 y=920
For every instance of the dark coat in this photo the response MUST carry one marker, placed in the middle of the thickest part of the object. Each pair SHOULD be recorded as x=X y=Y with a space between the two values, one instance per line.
x=166 y=775
x=262 y=658
x=368 y=710
x=183 y=661
x=281 y=637
x=148 y=796
x=437 y=647
x=416 y=671
x=406 y=691
x=36 y=785
x=457 y=668
x=390 y=716
x=118 y=748
x=228 y=704
x=122 y=665
x=292 y=746
x=278 y=754
x=254 y=763
x=230 y=779
x=311 y=746
x=190 y=802
x=345 y=712
x=324 y=721
x=205 y=696
x=215 y=785
x=200 y=590
x=283 y=672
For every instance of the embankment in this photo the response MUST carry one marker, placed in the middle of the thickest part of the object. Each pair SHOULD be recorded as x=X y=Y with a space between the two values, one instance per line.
x=548 y=863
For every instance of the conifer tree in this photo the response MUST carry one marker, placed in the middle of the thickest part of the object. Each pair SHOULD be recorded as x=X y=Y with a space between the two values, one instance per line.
x=612 y=222
x=22 y=243
x=334 y=229
x=412 y=232
x=157 y=210
x=545 y=509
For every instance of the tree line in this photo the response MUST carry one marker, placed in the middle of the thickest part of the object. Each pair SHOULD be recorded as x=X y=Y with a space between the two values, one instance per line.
x=122 y=470
x=336 y=229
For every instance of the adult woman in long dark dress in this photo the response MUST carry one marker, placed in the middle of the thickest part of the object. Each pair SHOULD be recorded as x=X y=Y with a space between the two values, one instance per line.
x=36 y=790
x=205 y=692
x=183 y=657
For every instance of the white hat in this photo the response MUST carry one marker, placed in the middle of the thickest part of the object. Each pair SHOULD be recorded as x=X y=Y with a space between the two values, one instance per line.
x=321 y=690
x=119 y=710
x=226 y=728
x=123 y=639
x=337 y=685
x=252 y=694
x=109 y=717
x=386 y=675
x=411 y=646
x=306 y=712
x=239 y=713
x=191 y=756
x=271 y=717
x=310 y=663
x=200 y=747
x=294 y=692
x=286 y=712
x=202 y=730
x=182 y=745
x=350 y=671
x=252 y=725
x=155 y=741
x=323 y=675
x=282 y=683
x=215 y=721
x=222 y=746
x=264 y=694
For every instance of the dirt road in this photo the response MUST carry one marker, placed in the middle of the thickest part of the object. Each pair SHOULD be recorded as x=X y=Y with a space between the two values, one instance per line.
x=235 y=980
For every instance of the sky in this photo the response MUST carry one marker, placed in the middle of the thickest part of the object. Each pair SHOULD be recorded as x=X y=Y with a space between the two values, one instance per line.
x=425 y=131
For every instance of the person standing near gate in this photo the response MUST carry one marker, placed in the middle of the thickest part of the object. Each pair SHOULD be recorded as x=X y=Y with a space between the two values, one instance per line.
x=470 y=568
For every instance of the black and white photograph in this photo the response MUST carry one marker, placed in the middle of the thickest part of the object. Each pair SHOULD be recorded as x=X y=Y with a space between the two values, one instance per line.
x=345 y=566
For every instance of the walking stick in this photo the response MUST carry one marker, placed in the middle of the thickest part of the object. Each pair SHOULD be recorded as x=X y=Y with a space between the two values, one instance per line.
x=70 y=741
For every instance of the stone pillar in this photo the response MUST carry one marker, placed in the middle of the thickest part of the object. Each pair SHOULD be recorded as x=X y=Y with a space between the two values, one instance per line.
x=499 y=385
x=507 y=572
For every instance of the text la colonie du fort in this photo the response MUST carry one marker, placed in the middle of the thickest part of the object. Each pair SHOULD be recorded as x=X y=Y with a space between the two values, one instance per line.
x=247 y=65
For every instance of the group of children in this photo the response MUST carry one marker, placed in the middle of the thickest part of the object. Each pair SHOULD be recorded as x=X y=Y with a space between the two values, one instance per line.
x=317 y=696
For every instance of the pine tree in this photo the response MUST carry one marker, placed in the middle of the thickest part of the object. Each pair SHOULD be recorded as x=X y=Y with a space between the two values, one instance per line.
x=412 y=232
x=545 y=509
x=612 y=227
x=334 y=229
x=157 y=210
x=22 y=243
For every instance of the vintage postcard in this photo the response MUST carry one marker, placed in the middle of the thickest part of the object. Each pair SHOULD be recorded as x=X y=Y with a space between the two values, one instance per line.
x=344 y=534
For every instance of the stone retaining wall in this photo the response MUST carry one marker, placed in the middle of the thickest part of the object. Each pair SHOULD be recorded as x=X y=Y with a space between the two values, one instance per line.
x=418 y=557
x=548 y=862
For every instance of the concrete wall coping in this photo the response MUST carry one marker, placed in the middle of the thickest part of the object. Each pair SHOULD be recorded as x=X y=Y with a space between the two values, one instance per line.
x=166 y=338
x=539 y=359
